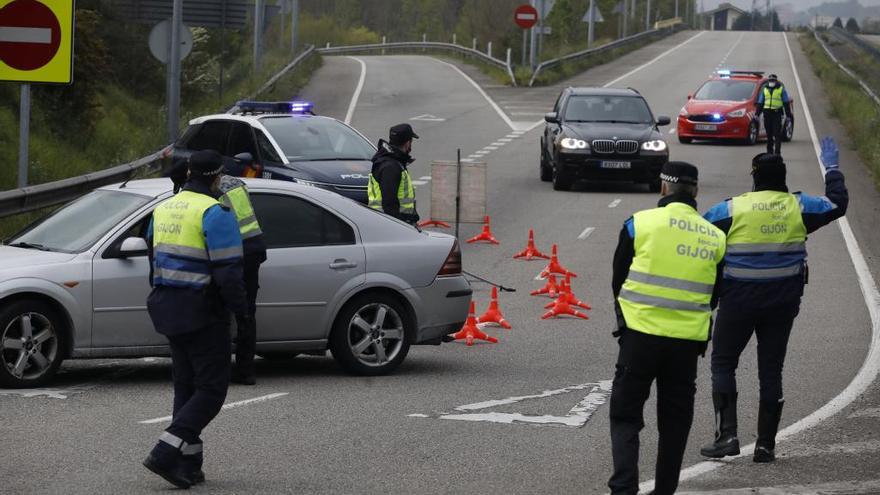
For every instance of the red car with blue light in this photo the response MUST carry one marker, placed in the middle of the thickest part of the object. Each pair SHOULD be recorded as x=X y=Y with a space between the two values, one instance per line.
x=723 y=108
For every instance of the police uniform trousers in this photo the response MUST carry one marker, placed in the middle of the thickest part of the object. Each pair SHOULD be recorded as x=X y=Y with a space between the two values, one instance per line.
x=246 y=331
x=734 y=327
x=200 y=364
x=672 y=362
x=773 y=127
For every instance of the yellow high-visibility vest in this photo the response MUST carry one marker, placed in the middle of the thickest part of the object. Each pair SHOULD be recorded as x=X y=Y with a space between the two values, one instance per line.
x=406 y=194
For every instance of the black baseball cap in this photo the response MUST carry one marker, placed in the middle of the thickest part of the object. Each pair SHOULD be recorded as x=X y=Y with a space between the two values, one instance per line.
x=207 y=163
x=768 y=168
x=679 y=173
x=772 y=77
x=401 y=133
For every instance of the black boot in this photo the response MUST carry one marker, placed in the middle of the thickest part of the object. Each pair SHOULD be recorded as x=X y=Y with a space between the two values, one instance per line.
x=192 y=460
x=166 y=460
x=726 y=443
x=244 y=372
x=769 y=414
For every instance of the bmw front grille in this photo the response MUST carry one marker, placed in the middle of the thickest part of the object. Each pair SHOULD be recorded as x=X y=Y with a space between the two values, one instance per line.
x=608 y=146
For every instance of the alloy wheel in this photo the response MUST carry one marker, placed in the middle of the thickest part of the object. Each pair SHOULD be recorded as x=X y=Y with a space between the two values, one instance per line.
x=28 y=346
x=375 y=334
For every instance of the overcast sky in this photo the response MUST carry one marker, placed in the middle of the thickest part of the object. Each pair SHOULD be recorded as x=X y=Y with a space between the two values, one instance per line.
x=801 y=4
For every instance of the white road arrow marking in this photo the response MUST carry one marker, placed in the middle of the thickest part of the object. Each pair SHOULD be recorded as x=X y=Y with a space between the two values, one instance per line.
x=577 y=416
x=10 y=34
x=428 y=118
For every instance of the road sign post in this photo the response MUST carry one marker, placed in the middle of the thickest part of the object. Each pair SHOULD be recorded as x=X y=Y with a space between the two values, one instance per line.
x=174 y=71
x=526 y=16
x=36 y=46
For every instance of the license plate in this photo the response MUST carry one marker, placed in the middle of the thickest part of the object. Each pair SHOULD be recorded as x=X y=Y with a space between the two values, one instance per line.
x=616 y=165
x=706 y=127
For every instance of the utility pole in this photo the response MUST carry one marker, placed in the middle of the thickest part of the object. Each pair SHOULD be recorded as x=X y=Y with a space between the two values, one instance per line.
x=258 y=31
x=648 y=16
x=533 y=46
x=174 y=71
x=294 y=24
x=625 y=18
x=23 y=134
x=541 y=14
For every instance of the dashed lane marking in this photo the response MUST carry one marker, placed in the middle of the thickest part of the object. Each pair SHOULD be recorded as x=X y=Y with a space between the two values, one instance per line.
x=425 y=177
x=614 y=203
x=490 y=148
x=505 y=140
x=498 y=143
x=231 y=405
x=467 y=160
x=586 y=233
x=672 y=131
x=419 y=182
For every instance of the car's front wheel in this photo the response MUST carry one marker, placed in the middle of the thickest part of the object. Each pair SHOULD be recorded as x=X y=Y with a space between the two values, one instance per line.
x=30 y=344
x=545 y=167
x=562 y=180
x=752 y=136
x=370 y=333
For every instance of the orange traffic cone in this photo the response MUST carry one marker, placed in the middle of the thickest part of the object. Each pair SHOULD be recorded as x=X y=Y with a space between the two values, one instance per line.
x=531 y=252
x=555 y=267
x=565 y=294
x=434 y=223
x=485 y=235
x=469 y=332
x=560 y=308
x=550 y=288
x=493 y=314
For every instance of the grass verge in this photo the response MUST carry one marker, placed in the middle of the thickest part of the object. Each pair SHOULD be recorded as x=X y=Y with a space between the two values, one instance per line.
x=857 y=112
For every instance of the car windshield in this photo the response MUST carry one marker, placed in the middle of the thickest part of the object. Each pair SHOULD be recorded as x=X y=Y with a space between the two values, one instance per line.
x=613 y=109
x=77 y=226
x=315 y=139
x=726 y=90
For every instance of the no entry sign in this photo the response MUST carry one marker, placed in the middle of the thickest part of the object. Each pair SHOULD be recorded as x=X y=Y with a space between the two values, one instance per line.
x=36 y=41
x=525 y=16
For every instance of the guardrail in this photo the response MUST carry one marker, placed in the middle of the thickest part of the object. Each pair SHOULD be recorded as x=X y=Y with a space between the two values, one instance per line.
x=846 y=36
x=867 y=89
x=549 y=64
x=32 y=198
x=423 y=45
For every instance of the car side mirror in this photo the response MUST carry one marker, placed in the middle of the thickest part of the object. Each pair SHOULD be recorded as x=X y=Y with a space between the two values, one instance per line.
x=663 y=120
x=551 y=117
x=245 y=159
x=691 y=96
x=133 y=246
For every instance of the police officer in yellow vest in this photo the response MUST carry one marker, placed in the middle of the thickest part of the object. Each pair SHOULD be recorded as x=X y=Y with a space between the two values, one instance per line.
x=665 y=274
x=390 y=188
x=765 y=271
x=235 y=197
x=196 y=275
x=775 y=104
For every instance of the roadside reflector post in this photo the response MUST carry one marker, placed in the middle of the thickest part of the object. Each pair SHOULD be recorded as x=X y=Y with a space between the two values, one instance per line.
x=474 y=44
x=489 y=49
x=454 y=39
x=24 y=134
x=508 y=57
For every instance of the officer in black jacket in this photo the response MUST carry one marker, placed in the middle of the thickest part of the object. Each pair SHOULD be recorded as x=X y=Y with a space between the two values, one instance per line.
x=390 y=189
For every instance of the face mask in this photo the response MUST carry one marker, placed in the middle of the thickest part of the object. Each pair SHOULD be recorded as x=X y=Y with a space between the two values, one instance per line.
x=771 y=84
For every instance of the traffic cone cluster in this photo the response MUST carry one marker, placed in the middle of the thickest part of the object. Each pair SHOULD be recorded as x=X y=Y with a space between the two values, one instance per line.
x=567 y=296
x=531 y=252
x=470 y=332
x=550 y=288
x=564 y=301
x=555 y=267
x=493 y=314
x=485 y=235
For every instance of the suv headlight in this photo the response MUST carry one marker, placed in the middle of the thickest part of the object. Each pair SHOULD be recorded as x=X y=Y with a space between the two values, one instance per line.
x=655 y=145
x=574 y=144
x=737 y=113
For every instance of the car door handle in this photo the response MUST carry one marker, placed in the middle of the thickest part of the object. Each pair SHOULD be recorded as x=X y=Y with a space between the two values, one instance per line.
x=342 y=264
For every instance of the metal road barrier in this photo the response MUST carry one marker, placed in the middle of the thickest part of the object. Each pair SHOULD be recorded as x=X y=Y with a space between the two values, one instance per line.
x=576 y=56
x=417 y=45
x=868 y=91
x=847 y=37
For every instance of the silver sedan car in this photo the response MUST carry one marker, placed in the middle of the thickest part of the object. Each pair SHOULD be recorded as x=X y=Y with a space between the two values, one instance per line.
x=339 y=276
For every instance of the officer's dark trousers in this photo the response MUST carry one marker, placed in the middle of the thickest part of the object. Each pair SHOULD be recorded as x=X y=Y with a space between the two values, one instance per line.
x=200 y=362
x=773 y=127
x=734 y=327
x=642 y=359
x=246 y=336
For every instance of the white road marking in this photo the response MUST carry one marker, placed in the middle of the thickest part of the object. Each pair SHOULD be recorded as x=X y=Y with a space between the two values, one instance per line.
x=467 y=160
x=672 y=131
x=527 y=114
x=576 y=417
x=499 y=143
x=357 y=90
x=419 y=182
x=490 y=148
x=730 y=52
x=518 y=133
x=428 y=118
x=494 y=105
x=513 y=136
x=837 y=488
x=873 y=412
x=870 y=367
x=51 y=393
x=658 y=57
x=505 y=140
x=12 y=34
x=425 y=177
x=231 y=405
x=481 y=153
x=586 y=233
x=614 y=203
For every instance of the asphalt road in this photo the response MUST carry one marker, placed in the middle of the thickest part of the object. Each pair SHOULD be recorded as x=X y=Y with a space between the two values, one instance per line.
x=332 y=433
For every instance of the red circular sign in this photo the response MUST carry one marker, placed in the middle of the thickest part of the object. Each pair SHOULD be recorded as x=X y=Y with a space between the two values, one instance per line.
x=29 y=34
x=525 y=16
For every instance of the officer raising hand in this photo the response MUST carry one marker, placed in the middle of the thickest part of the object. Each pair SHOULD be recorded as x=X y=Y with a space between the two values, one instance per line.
x=665 y=273
x=197 y=281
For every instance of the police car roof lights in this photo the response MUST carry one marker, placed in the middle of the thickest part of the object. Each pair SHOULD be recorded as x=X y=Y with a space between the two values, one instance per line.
x=290 y=107
x=725 y=73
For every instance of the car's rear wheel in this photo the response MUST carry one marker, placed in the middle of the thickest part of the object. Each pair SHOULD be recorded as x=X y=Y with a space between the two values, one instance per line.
x=370 y=335
x=562 y=180
x=545 y=167
x=787 y=130
x=752 y=136
x=685 y=140
x=30 y=344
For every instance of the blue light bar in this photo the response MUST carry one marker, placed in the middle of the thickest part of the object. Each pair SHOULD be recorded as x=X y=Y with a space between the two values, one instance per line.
x=296 y=107
x=716 y=116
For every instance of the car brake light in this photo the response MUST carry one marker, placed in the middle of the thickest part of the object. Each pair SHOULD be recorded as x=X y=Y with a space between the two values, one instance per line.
x=452 y=265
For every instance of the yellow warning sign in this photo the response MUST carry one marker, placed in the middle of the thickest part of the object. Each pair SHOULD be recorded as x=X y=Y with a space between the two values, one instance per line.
x=36 y=41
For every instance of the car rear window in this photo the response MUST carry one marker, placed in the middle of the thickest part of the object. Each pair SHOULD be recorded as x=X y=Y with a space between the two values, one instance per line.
x=316 y=139
x=288 y=221
x=726 y=90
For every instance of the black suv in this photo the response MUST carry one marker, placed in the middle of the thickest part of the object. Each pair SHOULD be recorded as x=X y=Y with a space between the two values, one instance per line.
x=602 y=134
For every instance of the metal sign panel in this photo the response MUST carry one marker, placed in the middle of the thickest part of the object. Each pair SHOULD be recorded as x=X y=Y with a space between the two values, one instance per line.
x=160 y=41
x=232 y=14
x=473 y=191
x=597 y=15
x=36 y=41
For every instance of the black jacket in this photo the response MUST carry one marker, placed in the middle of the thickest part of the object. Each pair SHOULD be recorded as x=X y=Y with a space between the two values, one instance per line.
x=388 y=166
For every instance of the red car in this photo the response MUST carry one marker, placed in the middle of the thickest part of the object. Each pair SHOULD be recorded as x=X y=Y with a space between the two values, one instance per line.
x=723 y=108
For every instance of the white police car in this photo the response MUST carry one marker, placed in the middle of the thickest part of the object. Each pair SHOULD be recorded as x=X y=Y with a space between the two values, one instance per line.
x=285 y=141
